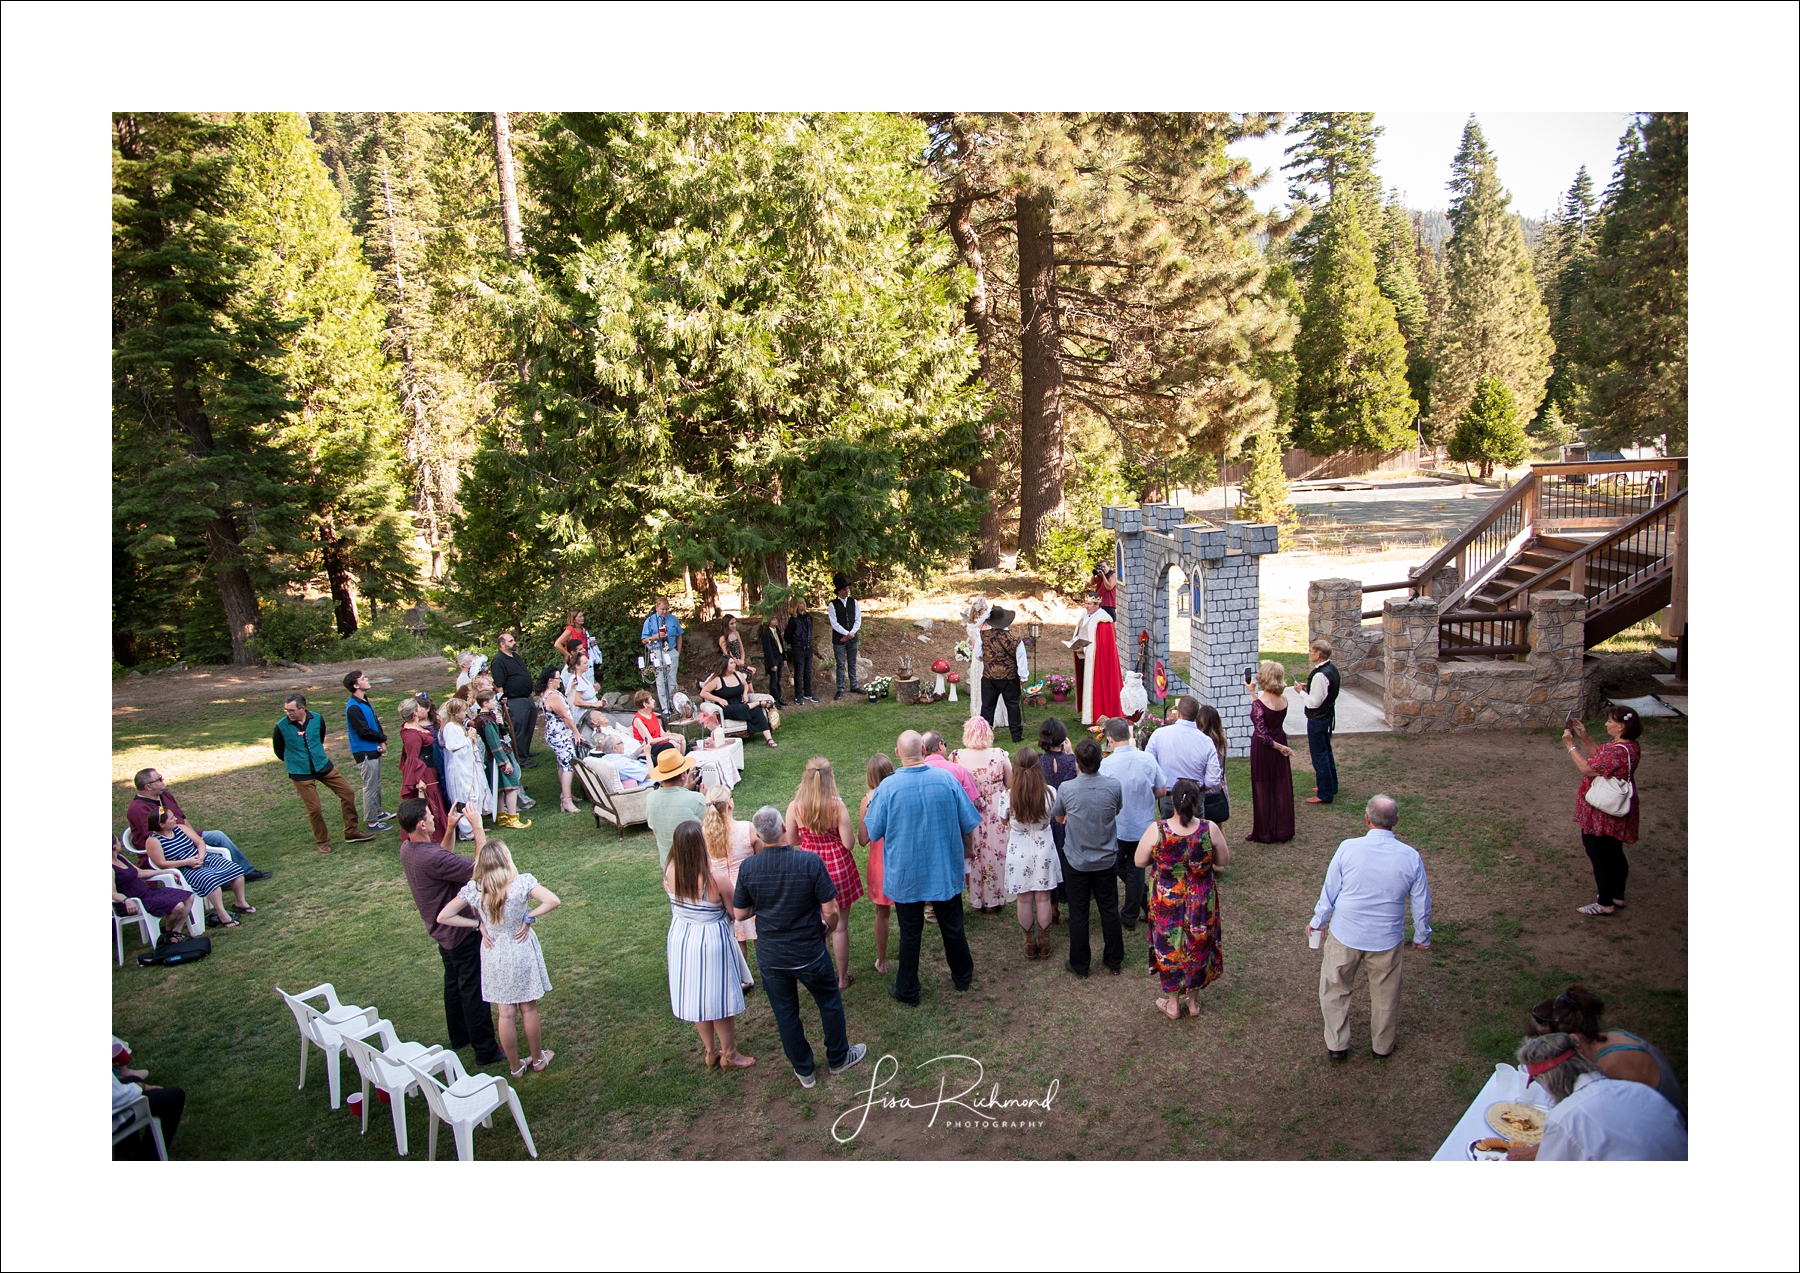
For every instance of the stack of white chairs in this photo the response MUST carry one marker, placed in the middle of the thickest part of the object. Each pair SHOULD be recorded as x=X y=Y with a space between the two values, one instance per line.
x=327 y=1029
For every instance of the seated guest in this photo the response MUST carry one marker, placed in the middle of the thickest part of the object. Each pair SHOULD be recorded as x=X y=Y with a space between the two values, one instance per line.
x=631 y=770
x=1596 y=1119
x=175 y=846
x=578 y=688
x=1619 y=1053
x=647 y=727
x=152 y=795
x=134 y=893
x=166 y=1104
x=728 y=689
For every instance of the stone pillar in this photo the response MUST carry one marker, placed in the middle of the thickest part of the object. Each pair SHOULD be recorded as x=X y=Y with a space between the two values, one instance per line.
x=1558 y=640
x=1334 y=611
x=1409 y=640
x=1443 y=583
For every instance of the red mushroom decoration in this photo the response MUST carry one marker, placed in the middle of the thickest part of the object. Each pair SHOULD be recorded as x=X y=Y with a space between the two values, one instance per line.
x=941 y=666
x=955 y=679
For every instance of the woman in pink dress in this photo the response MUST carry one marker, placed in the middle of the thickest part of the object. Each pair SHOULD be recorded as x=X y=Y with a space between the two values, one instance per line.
x=880 y=769
x=992 y=771
x=818 y=821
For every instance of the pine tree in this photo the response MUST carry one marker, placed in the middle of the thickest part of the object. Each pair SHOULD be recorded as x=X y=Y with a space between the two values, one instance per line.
x=344 y=441
x=1495 y=323
x=1397 y=276
x=1352 y=392
x=1333 y=158
x=1265 y=489
x=1565 y=256
x=1421 y=358
x=1488 y=432
x=201 y=499
x=1633 y=320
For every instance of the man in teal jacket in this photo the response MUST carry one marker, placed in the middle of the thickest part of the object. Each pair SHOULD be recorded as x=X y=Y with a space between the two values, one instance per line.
x=300 y=745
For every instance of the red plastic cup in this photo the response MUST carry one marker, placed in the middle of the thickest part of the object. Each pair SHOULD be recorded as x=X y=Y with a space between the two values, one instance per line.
x=353 y=1102
x=382 y=1096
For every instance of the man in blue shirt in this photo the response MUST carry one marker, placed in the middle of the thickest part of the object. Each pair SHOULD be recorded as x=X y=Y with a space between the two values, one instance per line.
x=1141 y=784
x=661 y=636
x=927 y=828
x=368 y=744
x=1364 y=900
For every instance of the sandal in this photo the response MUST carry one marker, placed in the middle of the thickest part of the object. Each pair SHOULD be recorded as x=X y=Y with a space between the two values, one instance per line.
x=243 y=910
x=771 y=742
x=735 y=1060
x=1164 y=1005
x=543 y=1062
x=229 y=923
x=571 y=808
x=1594 y=908
x=712 y=1059
x=519 y=1073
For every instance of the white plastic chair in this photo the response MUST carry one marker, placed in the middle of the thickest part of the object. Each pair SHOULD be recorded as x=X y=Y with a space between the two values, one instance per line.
x=197 y=916
x=326 y=1030
x=470 y=1100
x=140 y=1119
x=386 y=1070
x=149 y=930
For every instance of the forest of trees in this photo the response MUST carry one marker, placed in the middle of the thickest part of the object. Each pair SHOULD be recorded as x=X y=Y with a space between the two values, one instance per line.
x=513 y=364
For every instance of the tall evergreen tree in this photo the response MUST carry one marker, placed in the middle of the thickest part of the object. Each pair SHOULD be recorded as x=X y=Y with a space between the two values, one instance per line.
x=1397 y=277
x=1333 y=158
x=1495 y=323
x=1565 y=256
x=1489 y=432
x=344 y=440
x=1352 y=392
x=1633 y=322
x=202 y=497
x=1433 y=290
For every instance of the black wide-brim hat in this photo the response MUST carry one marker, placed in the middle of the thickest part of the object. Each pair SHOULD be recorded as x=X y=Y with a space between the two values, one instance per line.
x=1000 y=617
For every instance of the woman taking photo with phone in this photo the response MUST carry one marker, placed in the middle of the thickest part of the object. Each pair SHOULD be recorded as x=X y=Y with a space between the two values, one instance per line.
x=1606 y=806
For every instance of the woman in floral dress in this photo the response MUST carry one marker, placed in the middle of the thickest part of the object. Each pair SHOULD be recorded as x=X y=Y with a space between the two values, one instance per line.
x=1605 y=835
x=818 y=821
x=992 y=772
x=1032 y=868
x=1181 y=853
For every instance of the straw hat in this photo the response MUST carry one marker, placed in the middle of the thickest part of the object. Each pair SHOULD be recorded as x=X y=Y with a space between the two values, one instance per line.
x=671 y=764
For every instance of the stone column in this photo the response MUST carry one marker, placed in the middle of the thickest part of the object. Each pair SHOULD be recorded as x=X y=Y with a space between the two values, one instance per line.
x=1409 y=639
x=1558 y=640
x=1443 y=583
x=1334 y=611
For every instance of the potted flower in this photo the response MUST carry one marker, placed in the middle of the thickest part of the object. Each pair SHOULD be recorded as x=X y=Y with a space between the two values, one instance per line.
x=1060 y=686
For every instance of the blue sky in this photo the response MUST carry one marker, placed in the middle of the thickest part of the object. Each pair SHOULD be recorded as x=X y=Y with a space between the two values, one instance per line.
x=1538 y=154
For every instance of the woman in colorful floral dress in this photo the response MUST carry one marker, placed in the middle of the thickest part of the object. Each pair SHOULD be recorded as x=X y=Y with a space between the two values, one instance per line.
x=1184 y=899
x=992 y=772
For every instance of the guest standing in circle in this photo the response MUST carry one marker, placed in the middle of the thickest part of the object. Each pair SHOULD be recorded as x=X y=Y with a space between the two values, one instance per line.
x=707 y=972
x=467 y=787
x=819 y=822
x=1318 y=698
x=1271 y=770
x=1033 y=869
x=512 y=677
x=1217 y=800
x=879 y=769
x=799 y=634
x=559 y=734
x=991 y=771
x=726 y=688
x=731 y=644
x=491 y=726
x=845 y=616
x=731 y=842
x=1181 y=853
x=499 y=901
x=418 y=767
x=1058 y=764
x=1605 y=835
x=661 y=636
x=774 y=655
x=1105 y=587
x=574 y=639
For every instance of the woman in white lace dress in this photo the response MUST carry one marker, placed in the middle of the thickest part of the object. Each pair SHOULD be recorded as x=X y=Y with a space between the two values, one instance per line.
x=513 y=974
x=462 y=766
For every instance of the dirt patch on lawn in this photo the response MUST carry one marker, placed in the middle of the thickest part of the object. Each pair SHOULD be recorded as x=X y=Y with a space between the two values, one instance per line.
x=133 y=694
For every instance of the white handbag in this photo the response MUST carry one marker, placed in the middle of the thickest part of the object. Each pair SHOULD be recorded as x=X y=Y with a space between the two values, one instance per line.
x=1612 y=796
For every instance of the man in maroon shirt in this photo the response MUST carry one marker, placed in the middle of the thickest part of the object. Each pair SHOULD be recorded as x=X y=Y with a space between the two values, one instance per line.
x=436 y=875
x=152 y=797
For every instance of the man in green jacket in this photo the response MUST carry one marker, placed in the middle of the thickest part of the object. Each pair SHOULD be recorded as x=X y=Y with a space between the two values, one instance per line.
x=300 y=745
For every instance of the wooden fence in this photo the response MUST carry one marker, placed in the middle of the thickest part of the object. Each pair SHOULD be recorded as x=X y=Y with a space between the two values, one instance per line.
x=1304 y=466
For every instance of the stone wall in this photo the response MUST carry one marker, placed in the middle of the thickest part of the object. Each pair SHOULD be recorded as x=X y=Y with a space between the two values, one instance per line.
x=1426 y=695
x=1334 y=607
x=1222 y=564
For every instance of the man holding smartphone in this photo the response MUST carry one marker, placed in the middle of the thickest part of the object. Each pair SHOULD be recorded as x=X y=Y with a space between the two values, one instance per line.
x=1319 y=697
x=436 y=875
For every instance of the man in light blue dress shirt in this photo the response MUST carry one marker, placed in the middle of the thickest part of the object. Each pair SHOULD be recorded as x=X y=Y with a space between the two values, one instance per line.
x=1364 y=900
x=927 y=826
x=1141 y=783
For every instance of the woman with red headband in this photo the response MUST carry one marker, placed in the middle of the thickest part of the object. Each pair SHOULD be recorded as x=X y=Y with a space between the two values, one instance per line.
x=1619 y=1053
x=1596 y=1119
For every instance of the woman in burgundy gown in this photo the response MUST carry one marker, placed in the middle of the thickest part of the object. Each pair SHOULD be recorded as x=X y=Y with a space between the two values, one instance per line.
x=1271 y=774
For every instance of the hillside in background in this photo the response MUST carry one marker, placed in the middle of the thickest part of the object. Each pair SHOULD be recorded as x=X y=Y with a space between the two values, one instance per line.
x=1435 y=225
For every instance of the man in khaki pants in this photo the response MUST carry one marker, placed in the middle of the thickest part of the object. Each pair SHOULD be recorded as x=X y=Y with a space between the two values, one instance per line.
x=1364 y=901
x=300 y=745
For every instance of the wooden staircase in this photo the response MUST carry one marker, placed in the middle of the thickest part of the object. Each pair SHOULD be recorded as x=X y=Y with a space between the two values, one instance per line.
x=1613 y=531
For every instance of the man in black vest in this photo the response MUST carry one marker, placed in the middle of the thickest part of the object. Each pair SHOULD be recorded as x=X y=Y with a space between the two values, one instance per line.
x=846 y=624
x=1319 y=696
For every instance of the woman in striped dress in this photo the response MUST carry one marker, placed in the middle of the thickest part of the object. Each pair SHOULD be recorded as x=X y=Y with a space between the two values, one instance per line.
x=707 y=972
x=819 y=822
x=177 y=846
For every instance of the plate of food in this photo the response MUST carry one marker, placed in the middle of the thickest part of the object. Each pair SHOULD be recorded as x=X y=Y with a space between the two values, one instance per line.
x=1517 y=1121
x=1489 y=1149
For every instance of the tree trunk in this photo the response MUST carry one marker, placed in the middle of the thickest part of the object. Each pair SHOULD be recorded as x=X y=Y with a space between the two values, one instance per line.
x=775 y=572
x=343 y=588
x=418 y=437
x=986 y=476
x=1040 y=374
x=706 y=588
x=224 y=548
x=509 y=196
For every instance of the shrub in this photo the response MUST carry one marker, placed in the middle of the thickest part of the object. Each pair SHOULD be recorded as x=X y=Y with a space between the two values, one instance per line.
x=295 y=629
x=1067 y=553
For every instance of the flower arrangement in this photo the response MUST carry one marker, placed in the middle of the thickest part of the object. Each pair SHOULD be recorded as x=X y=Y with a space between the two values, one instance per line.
x=963 y=652
x=1059 y=685
x=880 y=686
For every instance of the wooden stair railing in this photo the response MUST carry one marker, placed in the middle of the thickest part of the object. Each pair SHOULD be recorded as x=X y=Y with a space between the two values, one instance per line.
x=1484 y=549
